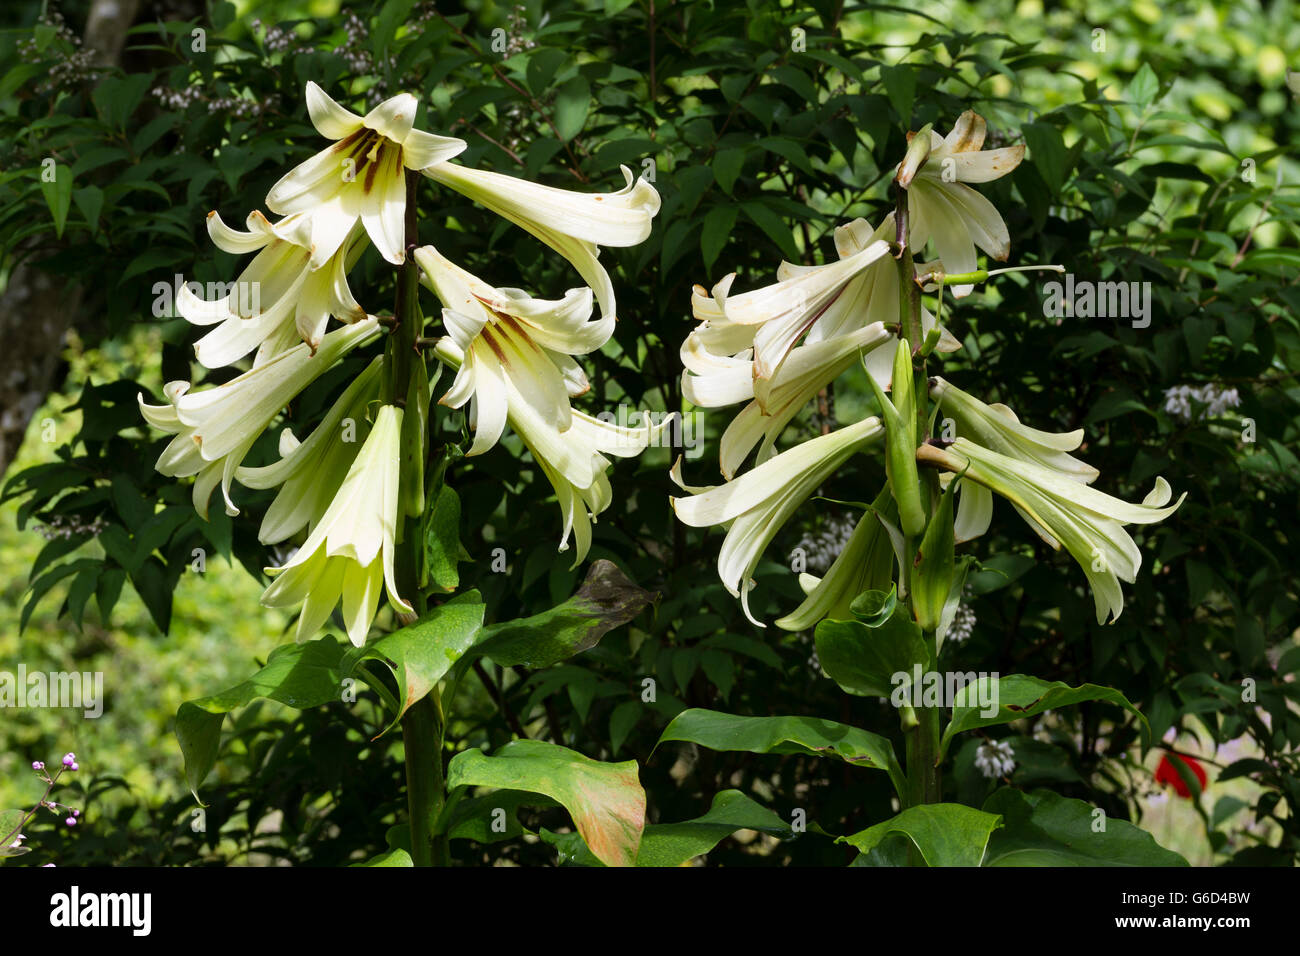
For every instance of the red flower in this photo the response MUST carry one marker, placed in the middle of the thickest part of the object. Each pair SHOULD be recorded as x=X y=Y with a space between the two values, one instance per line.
x=1166 y=772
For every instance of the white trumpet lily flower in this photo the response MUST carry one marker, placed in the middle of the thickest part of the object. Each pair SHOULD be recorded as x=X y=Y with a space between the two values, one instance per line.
x=514 y=347
x=782 y=313
x=816 y=303
x=940 y=206
x=348 y=556
x=310 y=473
x=278 y=300
x=574 y=224
x=711 y=380
x=362 y=176
x=1066 y=512
x=215 y=427
x=756 y=505
x=996 y=427
x=514 y=361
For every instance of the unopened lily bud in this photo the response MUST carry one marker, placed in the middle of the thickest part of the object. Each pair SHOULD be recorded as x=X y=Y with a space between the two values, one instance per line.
x=932 y=579
x=899 y=415
x=918 y=151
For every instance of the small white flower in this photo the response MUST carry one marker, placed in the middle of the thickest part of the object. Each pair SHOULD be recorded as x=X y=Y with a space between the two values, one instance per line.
x=1215 y=401
x=963 y=623
x=995 y=759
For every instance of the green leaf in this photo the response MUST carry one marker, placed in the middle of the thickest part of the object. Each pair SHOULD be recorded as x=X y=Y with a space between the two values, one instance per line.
x=1019 y=695
x=605 y=800
x=398 y=853
x=900 y=87
x=717 y=230
x=116 y=97
x=621 y=721
x=572 y=102
x=946 y=834
x=784 y=735
x=866 y=661
x=300 y=675
x=58 y=194
x=773 y=226
x=1047 y=152
x=606 y=599
x=442 y=539
x=9 y=822
x=673 y=844
x=90 y=201
x=1042 y=828
x=542 y=64
x=492 y=818
x=1143 y=88
x=421 y=654
x=727 y=164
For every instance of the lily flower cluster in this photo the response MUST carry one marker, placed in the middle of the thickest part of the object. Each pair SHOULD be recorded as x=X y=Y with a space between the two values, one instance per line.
x=775 y=348
x=339 y=487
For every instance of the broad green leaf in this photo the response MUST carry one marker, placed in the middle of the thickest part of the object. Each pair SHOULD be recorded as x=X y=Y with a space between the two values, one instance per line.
x=605 y=800
x=946 y=834
x=398 y=853
x=784 y=735
x=1019 y=695
x=492 y=818
x=674 y=844
x=542 y=64
x=606 y=599
x=422 y=653
x=300 y=675
x=394 y=857
x=1043 y=828
x=867 y=661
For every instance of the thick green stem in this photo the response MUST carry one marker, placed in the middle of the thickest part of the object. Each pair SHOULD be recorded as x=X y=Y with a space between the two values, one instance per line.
x=422 y=731
x=423 y=724
x=922 y=737
x=922 y=743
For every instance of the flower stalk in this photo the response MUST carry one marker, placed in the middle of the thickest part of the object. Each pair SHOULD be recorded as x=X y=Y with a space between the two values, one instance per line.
x=423 y=725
